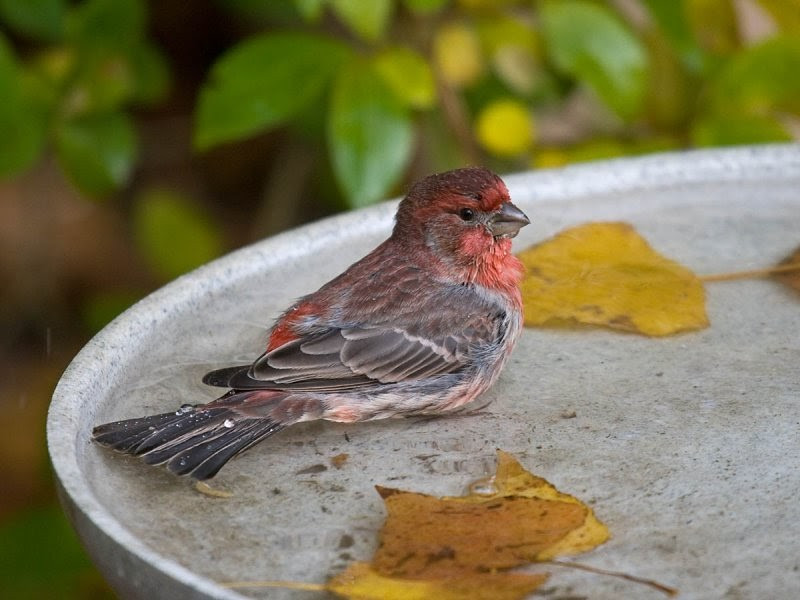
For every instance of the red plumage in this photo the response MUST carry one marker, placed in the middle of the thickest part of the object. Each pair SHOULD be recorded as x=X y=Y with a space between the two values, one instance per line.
x=282 y=332
x=421 y=325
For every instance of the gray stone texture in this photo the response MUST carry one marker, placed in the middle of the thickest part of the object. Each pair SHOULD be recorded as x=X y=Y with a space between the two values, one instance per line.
x=688 y=447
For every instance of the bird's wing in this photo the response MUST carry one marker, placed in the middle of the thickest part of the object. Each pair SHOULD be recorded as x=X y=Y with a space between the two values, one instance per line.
x=396 y=325
x=432 y=335
x=340 y=359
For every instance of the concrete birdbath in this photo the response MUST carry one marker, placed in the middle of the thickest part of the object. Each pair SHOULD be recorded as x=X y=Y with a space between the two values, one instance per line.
x=688 y=447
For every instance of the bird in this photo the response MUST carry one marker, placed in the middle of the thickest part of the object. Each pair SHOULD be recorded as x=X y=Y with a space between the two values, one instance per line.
x=422 y=325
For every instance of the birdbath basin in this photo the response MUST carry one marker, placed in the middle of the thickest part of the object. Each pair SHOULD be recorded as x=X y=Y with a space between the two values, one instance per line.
x=687 y=447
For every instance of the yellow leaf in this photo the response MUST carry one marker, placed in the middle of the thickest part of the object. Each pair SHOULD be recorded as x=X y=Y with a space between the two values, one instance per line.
x=429 y=537
x=457 y=54
x=713 y=23
x=548 y=158
x=607 y=274
x=408 y=75
x=522 y=519
x=786 y=14
x=362 y=582
x=505 y=127
x=512 y=480
x=790 y=271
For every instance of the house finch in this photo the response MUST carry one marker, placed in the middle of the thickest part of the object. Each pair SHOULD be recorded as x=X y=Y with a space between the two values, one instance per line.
x=420 y=326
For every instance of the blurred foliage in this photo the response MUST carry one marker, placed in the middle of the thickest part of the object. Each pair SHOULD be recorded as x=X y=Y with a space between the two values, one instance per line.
x=91 y=64
x=172 y=235
x=188 y=128
x=589 y=44
x=359 y=77
x=63 y=571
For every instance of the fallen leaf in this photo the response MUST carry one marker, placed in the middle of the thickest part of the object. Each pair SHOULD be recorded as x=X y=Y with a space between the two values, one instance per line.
x=606 y=274
x=790 y=278
x=459 y=548
x=511 y=479
x=339 y=460
x=361 y=582
x=425 y=536
x=524 y=519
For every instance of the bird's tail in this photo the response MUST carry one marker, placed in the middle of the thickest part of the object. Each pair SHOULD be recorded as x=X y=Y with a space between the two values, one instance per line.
x=197 y=440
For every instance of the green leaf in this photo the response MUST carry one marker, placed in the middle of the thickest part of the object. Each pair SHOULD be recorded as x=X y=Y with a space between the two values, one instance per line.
x=671 y=94
x=425 y=7
x=407 y=75
x=513 y=46
x=116 y=24
x=367 y=19
x=263 y=82
x=499 y=31
x=22 y=125
x=670 y=15
x=759 y=80
x=173 y=234
x=106 y=80
x=150 y=74
x=733 y=131
x=261 y=13
x=53 y=67
x=23 y=135
x=41 y=19
x=310 y=10
x=588 y=42
x=103 y=82
x=97 y=151
x=369 y=135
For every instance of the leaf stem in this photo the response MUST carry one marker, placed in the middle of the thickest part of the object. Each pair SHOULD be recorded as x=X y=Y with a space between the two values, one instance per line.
x=669 y=591
x=736 y=275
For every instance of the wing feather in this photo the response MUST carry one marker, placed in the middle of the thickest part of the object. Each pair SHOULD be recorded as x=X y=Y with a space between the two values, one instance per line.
x=339 y=356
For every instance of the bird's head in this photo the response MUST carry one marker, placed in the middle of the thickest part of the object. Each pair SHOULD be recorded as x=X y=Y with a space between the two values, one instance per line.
x=464 y=216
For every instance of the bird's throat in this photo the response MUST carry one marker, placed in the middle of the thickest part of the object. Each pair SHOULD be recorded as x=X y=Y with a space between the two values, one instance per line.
x=496 y=268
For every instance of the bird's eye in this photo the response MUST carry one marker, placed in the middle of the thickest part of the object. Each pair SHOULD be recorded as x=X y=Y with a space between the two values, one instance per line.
x=466 y=214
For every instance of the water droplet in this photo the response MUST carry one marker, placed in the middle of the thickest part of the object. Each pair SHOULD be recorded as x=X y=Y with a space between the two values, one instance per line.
x=228 y=423
x=184 y=409
x=151 y=428
x=484 y=486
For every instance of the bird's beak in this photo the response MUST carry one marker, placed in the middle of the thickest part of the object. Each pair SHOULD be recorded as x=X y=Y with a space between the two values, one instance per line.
x=507 y=221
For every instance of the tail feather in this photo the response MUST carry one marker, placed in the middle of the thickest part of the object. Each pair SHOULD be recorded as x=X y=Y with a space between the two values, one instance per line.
x=125 y=436
x=195 y=441
x=165 y=451
x=189 y=425
x=202 y=462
